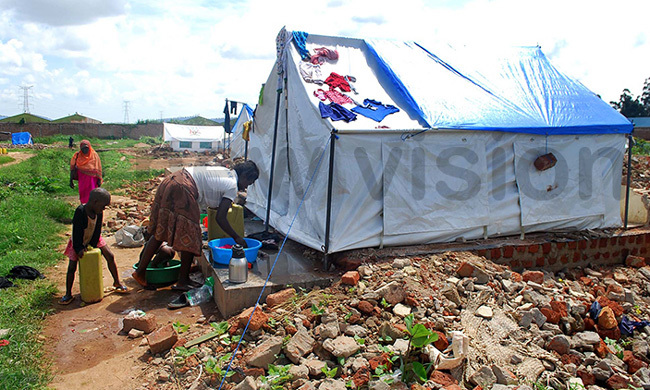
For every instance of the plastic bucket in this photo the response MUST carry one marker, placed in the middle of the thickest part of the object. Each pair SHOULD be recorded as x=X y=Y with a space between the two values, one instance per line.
x=222 y=255
x=162 y=275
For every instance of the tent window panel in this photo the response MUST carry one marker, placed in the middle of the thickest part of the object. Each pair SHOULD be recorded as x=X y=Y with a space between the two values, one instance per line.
x=185 y=144
x=205 y=145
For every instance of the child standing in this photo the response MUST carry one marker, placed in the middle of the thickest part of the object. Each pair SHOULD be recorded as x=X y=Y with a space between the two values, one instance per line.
x=86 y=231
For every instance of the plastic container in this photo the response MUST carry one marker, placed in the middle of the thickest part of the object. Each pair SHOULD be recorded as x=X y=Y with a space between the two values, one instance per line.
x=235 y=218
x=222 y=255
x=199 y=295
x=204 y=220
x=91 y=280
x=162 y=275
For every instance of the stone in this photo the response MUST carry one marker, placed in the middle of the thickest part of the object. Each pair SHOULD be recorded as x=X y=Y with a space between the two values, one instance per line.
x=280 y=297
x=617 y=381
x=401 y=263
x=535 y=298
x=465 y=270
x=607 y=319
x=162 y=339
x=538 y=317
x=526 y=319
x=378 y=385
x=504 y=376
x=342 y=346
x=356 y=330
x=391 y=330
x=329 y=330
x=401 y=310
x=642 y=377
x=634 y=364
x=247 y=384
x=533 y=276
x=442 y=343
x=365 y=271
x=300 y=344
x=587 y=377
x=315 y=367
x=361 y=377
x=640 y=349
x=451 y=292
x=259 y=319
x=401 y=346
x=442 y=378
x=602 y=371
x=393 y=293
x=135 y=333
x=483 y=377
x=264 y=354
x=586 y=341
x=145 y=322
x=559 y=344
x=332 y=384
x=351 y=278
x=299 y=371
x=485 y=312
x=551 y=316
x=307 y=386
x=480 y=276
x=366 y=307
x=635 y=261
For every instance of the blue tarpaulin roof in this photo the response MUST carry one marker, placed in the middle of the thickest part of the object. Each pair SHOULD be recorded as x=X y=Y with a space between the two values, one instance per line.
x=517 y=90
x=22 y=138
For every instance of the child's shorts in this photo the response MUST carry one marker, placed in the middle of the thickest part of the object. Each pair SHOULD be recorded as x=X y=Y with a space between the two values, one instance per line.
x=72 y=255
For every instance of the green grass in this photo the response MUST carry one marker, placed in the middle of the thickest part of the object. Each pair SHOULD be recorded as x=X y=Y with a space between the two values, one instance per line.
x=641 y=147
x=97 y=143
x=32 y=218
x=5 y=159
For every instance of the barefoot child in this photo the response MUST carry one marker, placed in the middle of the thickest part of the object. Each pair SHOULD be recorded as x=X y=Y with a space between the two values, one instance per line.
x=86 y=231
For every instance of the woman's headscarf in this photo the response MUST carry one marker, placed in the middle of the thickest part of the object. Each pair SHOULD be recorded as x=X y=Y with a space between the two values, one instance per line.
x=89 y=164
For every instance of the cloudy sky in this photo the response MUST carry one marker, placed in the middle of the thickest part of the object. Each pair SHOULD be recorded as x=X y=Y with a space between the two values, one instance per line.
x=185 y=57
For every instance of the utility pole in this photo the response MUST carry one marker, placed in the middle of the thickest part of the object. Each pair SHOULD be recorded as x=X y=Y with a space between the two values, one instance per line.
x=161 y=118
x=26 y=98
x=126 y=111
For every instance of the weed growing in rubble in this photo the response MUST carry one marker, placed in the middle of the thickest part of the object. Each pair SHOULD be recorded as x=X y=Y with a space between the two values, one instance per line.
x=183 y=353
x=618 y=350
x=317 y=310
x=384 y=303
x=329 y=373
x=419 y=337
x=277 y=376
x=215 y=366
x=180 y=328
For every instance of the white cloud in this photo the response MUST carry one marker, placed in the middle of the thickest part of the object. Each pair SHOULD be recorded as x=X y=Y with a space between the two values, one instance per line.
x=187 y=57
x=63 y=12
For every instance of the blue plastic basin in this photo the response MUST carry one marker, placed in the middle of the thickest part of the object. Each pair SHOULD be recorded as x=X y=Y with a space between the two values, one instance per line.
x=222 y=255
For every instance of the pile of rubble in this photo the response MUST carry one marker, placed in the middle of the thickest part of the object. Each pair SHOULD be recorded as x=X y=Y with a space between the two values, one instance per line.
x=449 y=321
x=640 y=168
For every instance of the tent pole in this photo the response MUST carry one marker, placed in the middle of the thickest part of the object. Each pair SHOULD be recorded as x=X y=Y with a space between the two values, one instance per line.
x=630 y=143
x=246 y=152
x=328 y=218
x=275 y=142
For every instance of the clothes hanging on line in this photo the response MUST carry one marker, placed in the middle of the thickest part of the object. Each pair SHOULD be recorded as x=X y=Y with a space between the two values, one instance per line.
x=247 y=128
x=233 y=108
x=336 y=112
x=375 y=110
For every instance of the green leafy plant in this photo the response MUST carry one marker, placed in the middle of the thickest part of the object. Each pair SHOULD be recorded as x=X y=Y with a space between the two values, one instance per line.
x=221 y=327
x=359 y=340
x=419 y=337
x=182 y=353
x=180 y=328
x=329 y=373
x=277 y=376
x=383 y=303
x=218 y=366
x=618 y=350
x=316 y=310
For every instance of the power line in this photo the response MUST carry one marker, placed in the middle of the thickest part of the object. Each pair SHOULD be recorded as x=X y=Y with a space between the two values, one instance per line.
x=26 y=98
x=126 y=111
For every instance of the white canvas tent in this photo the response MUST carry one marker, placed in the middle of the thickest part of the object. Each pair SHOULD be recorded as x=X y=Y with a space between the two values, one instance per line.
x=238 y=144
x=194 y=138
x=457 y=160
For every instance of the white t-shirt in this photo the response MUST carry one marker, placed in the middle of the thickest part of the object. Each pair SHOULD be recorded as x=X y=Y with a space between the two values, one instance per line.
x=214 y=184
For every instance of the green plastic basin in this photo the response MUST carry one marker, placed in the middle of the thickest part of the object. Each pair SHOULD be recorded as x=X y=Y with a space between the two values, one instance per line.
x=162 y=275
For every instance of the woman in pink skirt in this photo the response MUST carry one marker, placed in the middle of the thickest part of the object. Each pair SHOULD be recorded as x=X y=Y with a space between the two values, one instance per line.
x=85 y=167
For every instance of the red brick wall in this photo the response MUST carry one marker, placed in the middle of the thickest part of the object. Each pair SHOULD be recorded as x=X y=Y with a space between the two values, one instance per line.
x=554 y=256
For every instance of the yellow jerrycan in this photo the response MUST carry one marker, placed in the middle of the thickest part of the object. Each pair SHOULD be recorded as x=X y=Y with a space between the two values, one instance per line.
x=235 y=217
x=91 y=280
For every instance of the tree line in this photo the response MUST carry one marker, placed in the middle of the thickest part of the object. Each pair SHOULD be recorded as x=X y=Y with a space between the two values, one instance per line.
x=634 y=107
